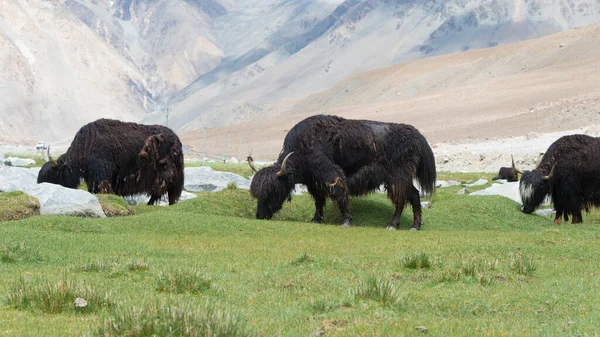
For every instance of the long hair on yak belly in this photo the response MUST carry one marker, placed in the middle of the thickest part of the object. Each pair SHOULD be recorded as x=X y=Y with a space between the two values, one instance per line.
x=272 y=186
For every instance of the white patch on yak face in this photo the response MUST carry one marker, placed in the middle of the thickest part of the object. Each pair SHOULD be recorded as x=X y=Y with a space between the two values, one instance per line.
x=527 y=191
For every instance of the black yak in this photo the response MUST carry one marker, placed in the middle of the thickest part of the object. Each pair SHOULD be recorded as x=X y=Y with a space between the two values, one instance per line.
x=121 y=158
x=336 y=157
x=511 y=174
x=570 y=173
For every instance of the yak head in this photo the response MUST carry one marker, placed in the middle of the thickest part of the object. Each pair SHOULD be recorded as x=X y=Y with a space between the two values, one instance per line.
x=511 y=174
x=534 y=187
x=58 y=172
x=271 y=186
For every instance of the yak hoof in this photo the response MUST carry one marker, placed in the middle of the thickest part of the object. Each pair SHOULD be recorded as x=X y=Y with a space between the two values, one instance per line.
x=557 y=221
x=317 y=220
x=391 y=228
x=415 y=228
x=346 y=224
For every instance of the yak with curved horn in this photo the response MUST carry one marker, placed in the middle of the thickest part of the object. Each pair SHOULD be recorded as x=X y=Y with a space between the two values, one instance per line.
x=569 y=173
x=511 y=174
x=336 y=158
x=121 y=158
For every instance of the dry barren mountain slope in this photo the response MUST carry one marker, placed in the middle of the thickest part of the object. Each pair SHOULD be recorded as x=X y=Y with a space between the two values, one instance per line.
x=68 y=62
x=358 y=36
x=542 y=85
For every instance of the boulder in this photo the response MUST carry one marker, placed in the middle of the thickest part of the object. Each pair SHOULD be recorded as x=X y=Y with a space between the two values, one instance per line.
x=509 y=190
x=14 y=161
x=479 y=182
x=16 y=178
x=142 y=199
x=205 y=179
x=59 y=200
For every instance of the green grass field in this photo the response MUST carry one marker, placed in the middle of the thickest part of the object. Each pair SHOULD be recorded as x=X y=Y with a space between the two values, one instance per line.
x=206 y=267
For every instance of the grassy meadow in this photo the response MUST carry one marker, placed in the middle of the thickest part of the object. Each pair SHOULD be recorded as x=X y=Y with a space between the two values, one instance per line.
x=206 y=267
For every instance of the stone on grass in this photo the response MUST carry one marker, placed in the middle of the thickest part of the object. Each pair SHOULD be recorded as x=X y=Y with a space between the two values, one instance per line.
x=59 y=200
x=545 y=211
x=463 y=191
x=80 y=303
x=16 y=178
x=508 y=189
x=205 y=179
x=14 y=161
x=142 y=199
x=449 y=183
x=479 y=182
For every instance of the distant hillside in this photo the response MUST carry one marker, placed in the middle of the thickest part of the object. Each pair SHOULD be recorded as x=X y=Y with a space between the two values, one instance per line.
x=216 y=62
x=542 y=85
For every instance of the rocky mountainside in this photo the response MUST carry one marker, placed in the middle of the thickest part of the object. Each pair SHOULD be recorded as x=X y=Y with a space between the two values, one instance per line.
x=212 y=62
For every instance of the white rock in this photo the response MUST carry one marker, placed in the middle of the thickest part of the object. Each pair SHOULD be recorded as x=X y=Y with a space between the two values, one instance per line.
x=442 y=183
x=509 y=190
x=545 y=211
x=59 y=200
x=479 y=182
x=80 y=303
x=14 y=161
x=205 y=179
x=142 y=199
x=16 y=178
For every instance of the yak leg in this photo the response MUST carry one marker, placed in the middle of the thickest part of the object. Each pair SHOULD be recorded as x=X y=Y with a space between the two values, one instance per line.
x=415 y=201
x=319 y=204
x=99 y=176
x=577 y=218
x=397 y=193
x=153 y=199
x=338 y=190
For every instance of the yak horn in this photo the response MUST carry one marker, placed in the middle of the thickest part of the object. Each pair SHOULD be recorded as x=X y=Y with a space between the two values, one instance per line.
x=283 y=170
x=251 y=162
x=50 y=157
x=549 y=176
x=513 y=165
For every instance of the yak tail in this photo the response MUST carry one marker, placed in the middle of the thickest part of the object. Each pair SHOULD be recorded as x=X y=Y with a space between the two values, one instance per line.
x=426 y=172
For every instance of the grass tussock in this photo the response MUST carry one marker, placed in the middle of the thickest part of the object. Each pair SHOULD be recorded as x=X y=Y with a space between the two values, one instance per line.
x=114 y=205
x=479 y=269
x=381 y=291
x=55 y=297
x=183 y=281
x=139 y=266
x=98 y=266
x=522 y=265
x=302 y=259
x=18 y=205
x=171 y=320
x=416 y=261
x=19 y=252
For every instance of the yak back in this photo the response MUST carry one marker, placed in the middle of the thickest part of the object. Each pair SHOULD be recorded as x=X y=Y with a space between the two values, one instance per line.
x=571 y=146
x=360 y=146
x=113 y=145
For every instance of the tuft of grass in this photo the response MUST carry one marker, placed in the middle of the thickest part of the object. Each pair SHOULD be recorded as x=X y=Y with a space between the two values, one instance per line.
x=304 y=258
x=98 y=266
x=18 y=252
x=522 y=265
x=17 y=205
x=476 y=269
x=232 y=186
x=381 y=291
x=55 y=297
x=138 y=265
x=183 y=281
x=171 y=320
x=114 y=205
x=416 y=261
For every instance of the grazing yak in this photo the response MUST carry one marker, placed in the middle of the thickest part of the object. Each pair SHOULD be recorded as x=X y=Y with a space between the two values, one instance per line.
x=336 y=157
x=121 y=158
x=511 y=174
x=570 y=173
